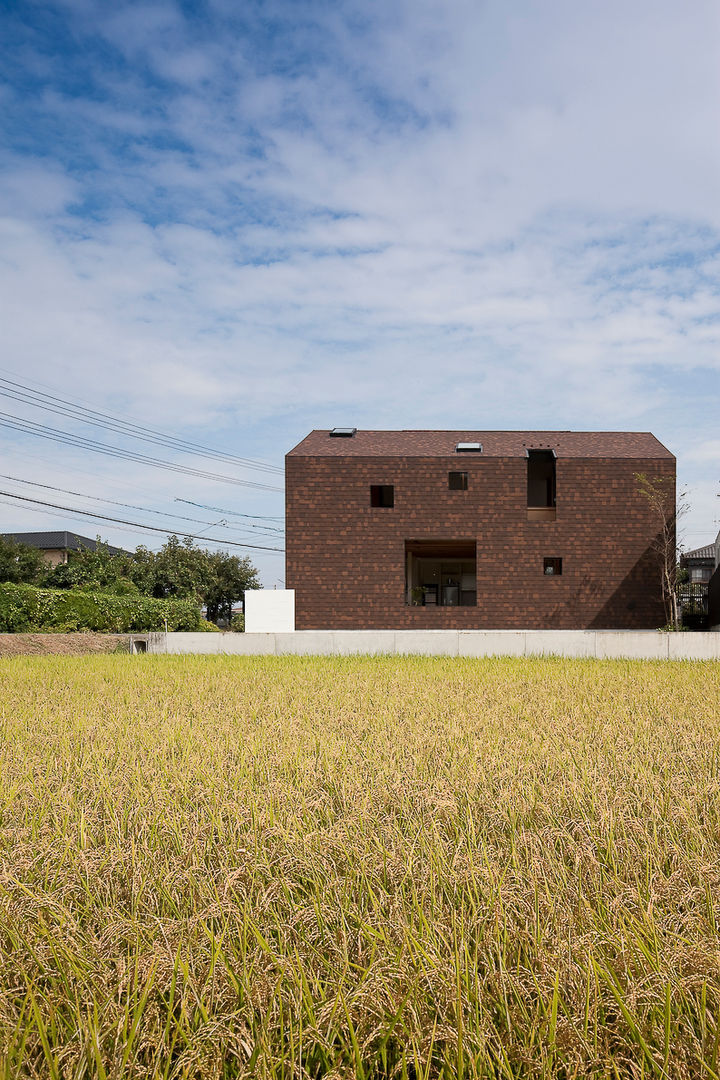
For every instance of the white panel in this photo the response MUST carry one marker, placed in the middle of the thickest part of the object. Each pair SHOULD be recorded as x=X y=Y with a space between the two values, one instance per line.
x=269 y=611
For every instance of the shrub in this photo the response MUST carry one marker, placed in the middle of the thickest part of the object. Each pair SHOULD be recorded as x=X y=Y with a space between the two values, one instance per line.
x=237 y=624
x=26 y=609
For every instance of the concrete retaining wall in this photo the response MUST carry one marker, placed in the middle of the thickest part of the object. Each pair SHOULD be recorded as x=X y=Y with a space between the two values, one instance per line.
x=603 y=644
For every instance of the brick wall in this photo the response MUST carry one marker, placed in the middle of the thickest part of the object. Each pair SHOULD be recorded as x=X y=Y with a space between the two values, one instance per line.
x=346 y=560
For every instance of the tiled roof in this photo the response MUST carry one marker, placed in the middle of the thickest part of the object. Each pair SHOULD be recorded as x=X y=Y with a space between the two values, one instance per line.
x=707 y=552
x=59 y=541
x=578 y=444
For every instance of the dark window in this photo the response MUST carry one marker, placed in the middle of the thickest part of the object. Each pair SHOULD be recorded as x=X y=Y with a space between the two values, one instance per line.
x=541 y=478
x=458 y=481
x=382 y=495
x=552 y=567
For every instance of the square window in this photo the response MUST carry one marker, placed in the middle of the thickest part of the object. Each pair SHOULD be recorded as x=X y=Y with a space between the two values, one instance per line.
x=552 y=567
x=458 y=481
x=382 y=495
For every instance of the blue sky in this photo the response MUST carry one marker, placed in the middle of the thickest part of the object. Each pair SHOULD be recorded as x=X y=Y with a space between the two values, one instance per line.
x=238 y=222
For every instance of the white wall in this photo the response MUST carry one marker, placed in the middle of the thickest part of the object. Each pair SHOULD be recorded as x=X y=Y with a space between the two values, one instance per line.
x=600 y=644
x=269 y=611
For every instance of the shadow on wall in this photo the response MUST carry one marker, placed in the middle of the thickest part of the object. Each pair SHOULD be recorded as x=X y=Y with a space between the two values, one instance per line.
x=635 y=604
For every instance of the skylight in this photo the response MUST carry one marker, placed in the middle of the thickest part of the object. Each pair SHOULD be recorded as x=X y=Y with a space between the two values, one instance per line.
x=468 y=448
x=343 y=432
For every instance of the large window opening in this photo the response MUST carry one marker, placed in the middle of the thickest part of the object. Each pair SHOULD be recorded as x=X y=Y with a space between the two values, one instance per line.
x=541 y=482
x=441 y=573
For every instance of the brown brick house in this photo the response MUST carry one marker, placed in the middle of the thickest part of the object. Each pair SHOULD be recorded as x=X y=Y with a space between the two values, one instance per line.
x=473 y=529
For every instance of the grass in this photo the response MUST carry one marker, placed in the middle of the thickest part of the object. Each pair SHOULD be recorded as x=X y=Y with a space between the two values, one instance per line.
x=420 y=867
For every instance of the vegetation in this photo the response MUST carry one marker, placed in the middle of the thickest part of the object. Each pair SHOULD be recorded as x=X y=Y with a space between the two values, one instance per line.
x=27 y=609
x=417 y=867
x=659 y=493
x=19 y=562
x=179 y=571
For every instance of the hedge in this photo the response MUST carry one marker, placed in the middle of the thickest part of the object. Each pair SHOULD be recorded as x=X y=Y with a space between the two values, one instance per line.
x=27 y=609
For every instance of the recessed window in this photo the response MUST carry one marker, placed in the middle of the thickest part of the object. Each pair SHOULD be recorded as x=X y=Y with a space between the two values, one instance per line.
x=458 y=481
x=382 y=495
x=541 y=478
x=552 y=567
x=441 y=573
x=541 y=485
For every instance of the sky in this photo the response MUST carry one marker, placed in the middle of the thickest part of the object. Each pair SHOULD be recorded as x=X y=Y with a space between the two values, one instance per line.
x=235 y=222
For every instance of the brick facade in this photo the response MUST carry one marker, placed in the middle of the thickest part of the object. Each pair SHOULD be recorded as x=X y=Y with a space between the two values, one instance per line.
x=346 y=560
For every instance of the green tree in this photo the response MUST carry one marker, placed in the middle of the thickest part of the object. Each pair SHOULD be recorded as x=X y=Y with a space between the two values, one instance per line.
x=232 y=575
x=178 y=571
x=99 y=569
x=19 y=563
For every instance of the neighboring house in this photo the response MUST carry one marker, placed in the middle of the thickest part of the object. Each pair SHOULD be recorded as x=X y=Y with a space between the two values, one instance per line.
x=700 y=595
x=55 y=546
x=699 y=563
x=470 y=529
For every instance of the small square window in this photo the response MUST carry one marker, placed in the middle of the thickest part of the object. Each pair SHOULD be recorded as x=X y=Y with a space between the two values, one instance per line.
x=382 y=495
x=458 y=481
x=552 y=567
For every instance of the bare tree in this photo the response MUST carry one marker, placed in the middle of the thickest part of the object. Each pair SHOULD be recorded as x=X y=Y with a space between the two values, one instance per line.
x=659 y=492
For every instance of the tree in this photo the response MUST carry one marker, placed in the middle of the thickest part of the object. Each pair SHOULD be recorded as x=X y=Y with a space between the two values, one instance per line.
x=182 y=571
x=178 y=571
x=659 y=493
x=87 y=569
x=231 y=576
x=19 y=563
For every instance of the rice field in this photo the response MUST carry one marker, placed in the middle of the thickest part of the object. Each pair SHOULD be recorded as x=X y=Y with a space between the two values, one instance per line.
x=380 y=867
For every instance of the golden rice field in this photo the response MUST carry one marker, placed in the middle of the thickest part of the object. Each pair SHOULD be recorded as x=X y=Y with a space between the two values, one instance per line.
x=290 y=867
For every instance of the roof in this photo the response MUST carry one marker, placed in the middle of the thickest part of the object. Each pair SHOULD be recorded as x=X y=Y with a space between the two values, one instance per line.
x=60 y=541
x=577 y=444
x=707 y=552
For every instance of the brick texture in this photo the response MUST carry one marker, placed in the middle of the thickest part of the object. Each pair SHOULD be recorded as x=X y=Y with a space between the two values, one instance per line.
x=346 y=560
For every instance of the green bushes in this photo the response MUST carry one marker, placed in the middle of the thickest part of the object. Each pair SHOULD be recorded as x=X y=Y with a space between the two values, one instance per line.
x=25 y=609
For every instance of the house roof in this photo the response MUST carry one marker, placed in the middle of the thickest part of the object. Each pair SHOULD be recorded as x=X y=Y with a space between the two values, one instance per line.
x=576 y=444
x=707 y=552
x=60 y=541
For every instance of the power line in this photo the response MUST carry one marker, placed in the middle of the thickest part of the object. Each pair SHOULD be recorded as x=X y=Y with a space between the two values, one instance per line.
x=219 y=509
x=135 y=524
x=30 y=427
x=18 y=391
x=116 y=528
x=130 y=506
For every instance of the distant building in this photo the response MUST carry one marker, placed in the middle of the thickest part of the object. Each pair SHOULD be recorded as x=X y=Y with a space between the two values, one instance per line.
x=55 y=546
x=700 y=563
x=473 y=529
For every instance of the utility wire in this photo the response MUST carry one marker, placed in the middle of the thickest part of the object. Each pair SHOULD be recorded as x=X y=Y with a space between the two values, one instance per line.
x=202 y=506
x=29 y=427
x=116 y=528
x=129 y=506
x=135 y=524
x=51 y=403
